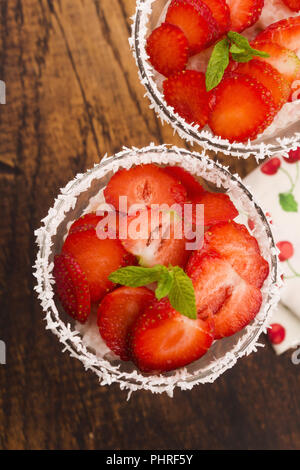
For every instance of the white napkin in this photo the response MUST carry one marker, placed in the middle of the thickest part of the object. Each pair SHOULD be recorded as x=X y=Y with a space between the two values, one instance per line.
x=276 y=183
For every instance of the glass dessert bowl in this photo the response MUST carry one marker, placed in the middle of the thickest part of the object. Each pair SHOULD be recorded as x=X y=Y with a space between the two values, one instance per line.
x=281 y=136
x=83 y=341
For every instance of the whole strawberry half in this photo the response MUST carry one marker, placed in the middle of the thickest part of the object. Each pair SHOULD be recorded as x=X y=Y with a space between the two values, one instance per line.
x=186 y=93
x=241 y=107
x=168 y=49
x=72 y=287
x=157 y=237
x=97 y=259
x=145 y=185
x=163 y=339
x=221 y=294
x=234 y=243
x=196 y=20
x=117 y=313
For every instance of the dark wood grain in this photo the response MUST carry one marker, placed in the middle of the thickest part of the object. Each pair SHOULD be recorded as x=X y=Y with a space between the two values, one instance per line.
x=73 y=95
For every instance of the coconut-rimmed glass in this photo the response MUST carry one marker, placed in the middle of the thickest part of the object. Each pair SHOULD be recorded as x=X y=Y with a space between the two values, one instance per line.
x=146 y=18
x=75 y=199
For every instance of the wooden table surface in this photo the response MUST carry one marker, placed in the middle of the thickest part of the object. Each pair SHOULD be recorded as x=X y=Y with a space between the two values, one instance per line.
x=73 y=95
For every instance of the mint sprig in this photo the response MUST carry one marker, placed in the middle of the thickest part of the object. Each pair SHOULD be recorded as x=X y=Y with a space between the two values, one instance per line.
x=172 y=282
x=235 y=46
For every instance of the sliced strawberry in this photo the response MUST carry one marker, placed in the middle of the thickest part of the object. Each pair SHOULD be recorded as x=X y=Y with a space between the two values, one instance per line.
x=145 y=185
x=264 y=73
x=293 y=5
x=295 y=91
x=242 y=108
x=244 y=13
x=186 y=93
x=72 y=287
x=222 y=293
x=97 y=259
x=282 y=59
x=153 y=236
x=221 y=14
x=163 y=339
x=117 y=313
x=234 y=243
x=195 y=19
x=218 y=207
x=285 y=33
x=193 y=188
x=85 y=222
x=168 y=49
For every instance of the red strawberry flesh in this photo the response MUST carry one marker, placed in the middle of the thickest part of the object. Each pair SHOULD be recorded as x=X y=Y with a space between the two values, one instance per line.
x=193 y=188
x=117 y=313
x=244 y=13
x=222 y=294
x=164 y=340
x=218 y=207
x=186 y=93
x=97 y=259
x=195 y=19
x=145 y=185
x=168 y=49
x=72 y=287
x=242 y=108
x=234 y=243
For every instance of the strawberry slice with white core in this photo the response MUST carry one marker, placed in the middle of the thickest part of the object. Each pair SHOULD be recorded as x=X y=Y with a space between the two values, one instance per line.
x=157 y=237
x=234 y=243
x=72 y=287
x=163 y=339
x=282 y=59
x=168 y=49
x=221 y=14
x=221 y=294
x=285 y=33
x=196 y=20
x=145 y=185
x=241 y=107
x=186 y=93
x=244 y=13
x=117 y=313
x=263 y=72
x=97 y=259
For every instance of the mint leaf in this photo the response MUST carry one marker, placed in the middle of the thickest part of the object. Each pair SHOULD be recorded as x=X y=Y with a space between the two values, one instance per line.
x=242 y=57
x=239 y=40
x=172 y=282
x=164 y=284
x=136 y=276
x=234 y=49
x=217 y=64
x=288 y=202
x=241 y=46
x=182 y=294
